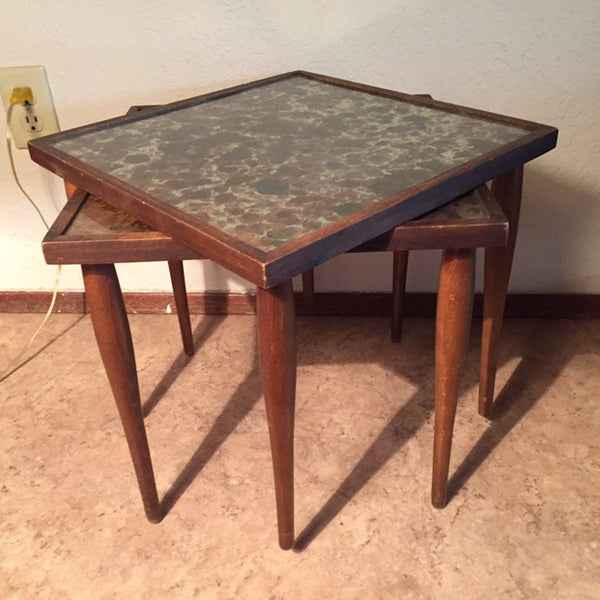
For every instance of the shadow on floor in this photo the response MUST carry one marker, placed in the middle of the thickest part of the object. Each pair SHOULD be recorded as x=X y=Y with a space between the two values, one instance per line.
x=519 y=395
x=391 y=438
x=201 y=334
x=532 y=377
x=238 y=406
x=44 y=347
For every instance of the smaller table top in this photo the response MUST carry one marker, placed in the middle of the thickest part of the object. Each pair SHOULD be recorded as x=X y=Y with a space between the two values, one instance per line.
x=90 y=231
x=276 y=176
x=95 y=218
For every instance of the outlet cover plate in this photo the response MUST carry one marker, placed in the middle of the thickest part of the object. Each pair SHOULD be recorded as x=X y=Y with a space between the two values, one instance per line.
x=42 y=108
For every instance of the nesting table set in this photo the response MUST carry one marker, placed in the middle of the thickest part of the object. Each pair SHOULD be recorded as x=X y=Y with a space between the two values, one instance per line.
x=272 y=178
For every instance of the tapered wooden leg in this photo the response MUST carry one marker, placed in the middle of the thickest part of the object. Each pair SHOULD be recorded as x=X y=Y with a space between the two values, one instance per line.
x=398 y=292
x=181 y=302
x=498 y=263
x=453 y=321
x=308 y=291
x=277 y=351
x=111 y=327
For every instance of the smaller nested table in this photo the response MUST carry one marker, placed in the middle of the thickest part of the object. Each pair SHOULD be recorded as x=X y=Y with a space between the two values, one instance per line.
x=274 y=177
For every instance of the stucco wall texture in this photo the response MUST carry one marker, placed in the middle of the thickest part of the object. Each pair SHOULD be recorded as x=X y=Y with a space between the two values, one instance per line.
x=535 y=60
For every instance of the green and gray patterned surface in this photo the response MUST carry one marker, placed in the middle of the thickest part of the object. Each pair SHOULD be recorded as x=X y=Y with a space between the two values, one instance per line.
x=272 y=163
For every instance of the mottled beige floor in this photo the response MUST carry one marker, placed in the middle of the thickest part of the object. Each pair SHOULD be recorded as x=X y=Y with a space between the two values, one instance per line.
x=524 y=520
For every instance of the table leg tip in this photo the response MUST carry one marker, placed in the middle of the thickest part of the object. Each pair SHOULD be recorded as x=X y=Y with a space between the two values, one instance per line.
x=155 y=517
x=286 y=541
x=485 y=409
x=438 y=502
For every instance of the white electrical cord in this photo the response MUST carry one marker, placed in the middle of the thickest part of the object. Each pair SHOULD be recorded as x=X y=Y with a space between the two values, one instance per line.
x=12 y=165
x=13 y=366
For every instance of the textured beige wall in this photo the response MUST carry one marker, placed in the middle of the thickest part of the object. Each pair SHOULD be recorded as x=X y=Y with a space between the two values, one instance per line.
x=535 y=60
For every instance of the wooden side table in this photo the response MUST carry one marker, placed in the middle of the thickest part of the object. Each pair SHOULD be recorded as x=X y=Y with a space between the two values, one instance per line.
x=276 y=176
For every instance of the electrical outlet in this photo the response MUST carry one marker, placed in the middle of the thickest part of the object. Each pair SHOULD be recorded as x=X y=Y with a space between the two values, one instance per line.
x=35 y=119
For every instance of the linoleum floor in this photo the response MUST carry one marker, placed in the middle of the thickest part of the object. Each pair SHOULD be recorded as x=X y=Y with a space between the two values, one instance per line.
x=523 y=520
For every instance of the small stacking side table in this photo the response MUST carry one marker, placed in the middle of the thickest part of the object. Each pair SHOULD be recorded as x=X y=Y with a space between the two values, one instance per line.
x=274 y=177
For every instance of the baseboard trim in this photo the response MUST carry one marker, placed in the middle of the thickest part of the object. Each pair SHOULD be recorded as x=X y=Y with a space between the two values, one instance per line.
x=546 y=306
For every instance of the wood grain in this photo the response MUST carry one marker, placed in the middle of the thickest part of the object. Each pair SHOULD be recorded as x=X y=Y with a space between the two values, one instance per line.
x=277 y=354
x=453 y=322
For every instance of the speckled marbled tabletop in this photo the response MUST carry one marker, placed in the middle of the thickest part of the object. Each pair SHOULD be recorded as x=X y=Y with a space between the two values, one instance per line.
x=271 y=163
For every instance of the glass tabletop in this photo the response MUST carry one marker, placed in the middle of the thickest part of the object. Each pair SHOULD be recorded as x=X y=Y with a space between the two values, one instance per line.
x=270 y=164
x=284 y=162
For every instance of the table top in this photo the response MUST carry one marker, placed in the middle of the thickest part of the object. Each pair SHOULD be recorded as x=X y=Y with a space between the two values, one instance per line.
x=276 y=176
x=89 y=231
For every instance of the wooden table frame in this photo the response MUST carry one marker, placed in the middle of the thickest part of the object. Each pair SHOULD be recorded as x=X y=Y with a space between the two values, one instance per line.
x=272 y=271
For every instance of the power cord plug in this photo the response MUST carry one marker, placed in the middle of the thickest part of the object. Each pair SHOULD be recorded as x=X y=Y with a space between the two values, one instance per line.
x=21 y=95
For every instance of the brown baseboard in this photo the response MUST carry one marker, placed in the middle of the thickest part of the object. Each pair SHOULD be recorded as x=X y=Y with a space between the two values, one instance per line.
x=523 y=306
x=37 y=302
x=210 y=303
x=543 y=306
x=518 y=306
